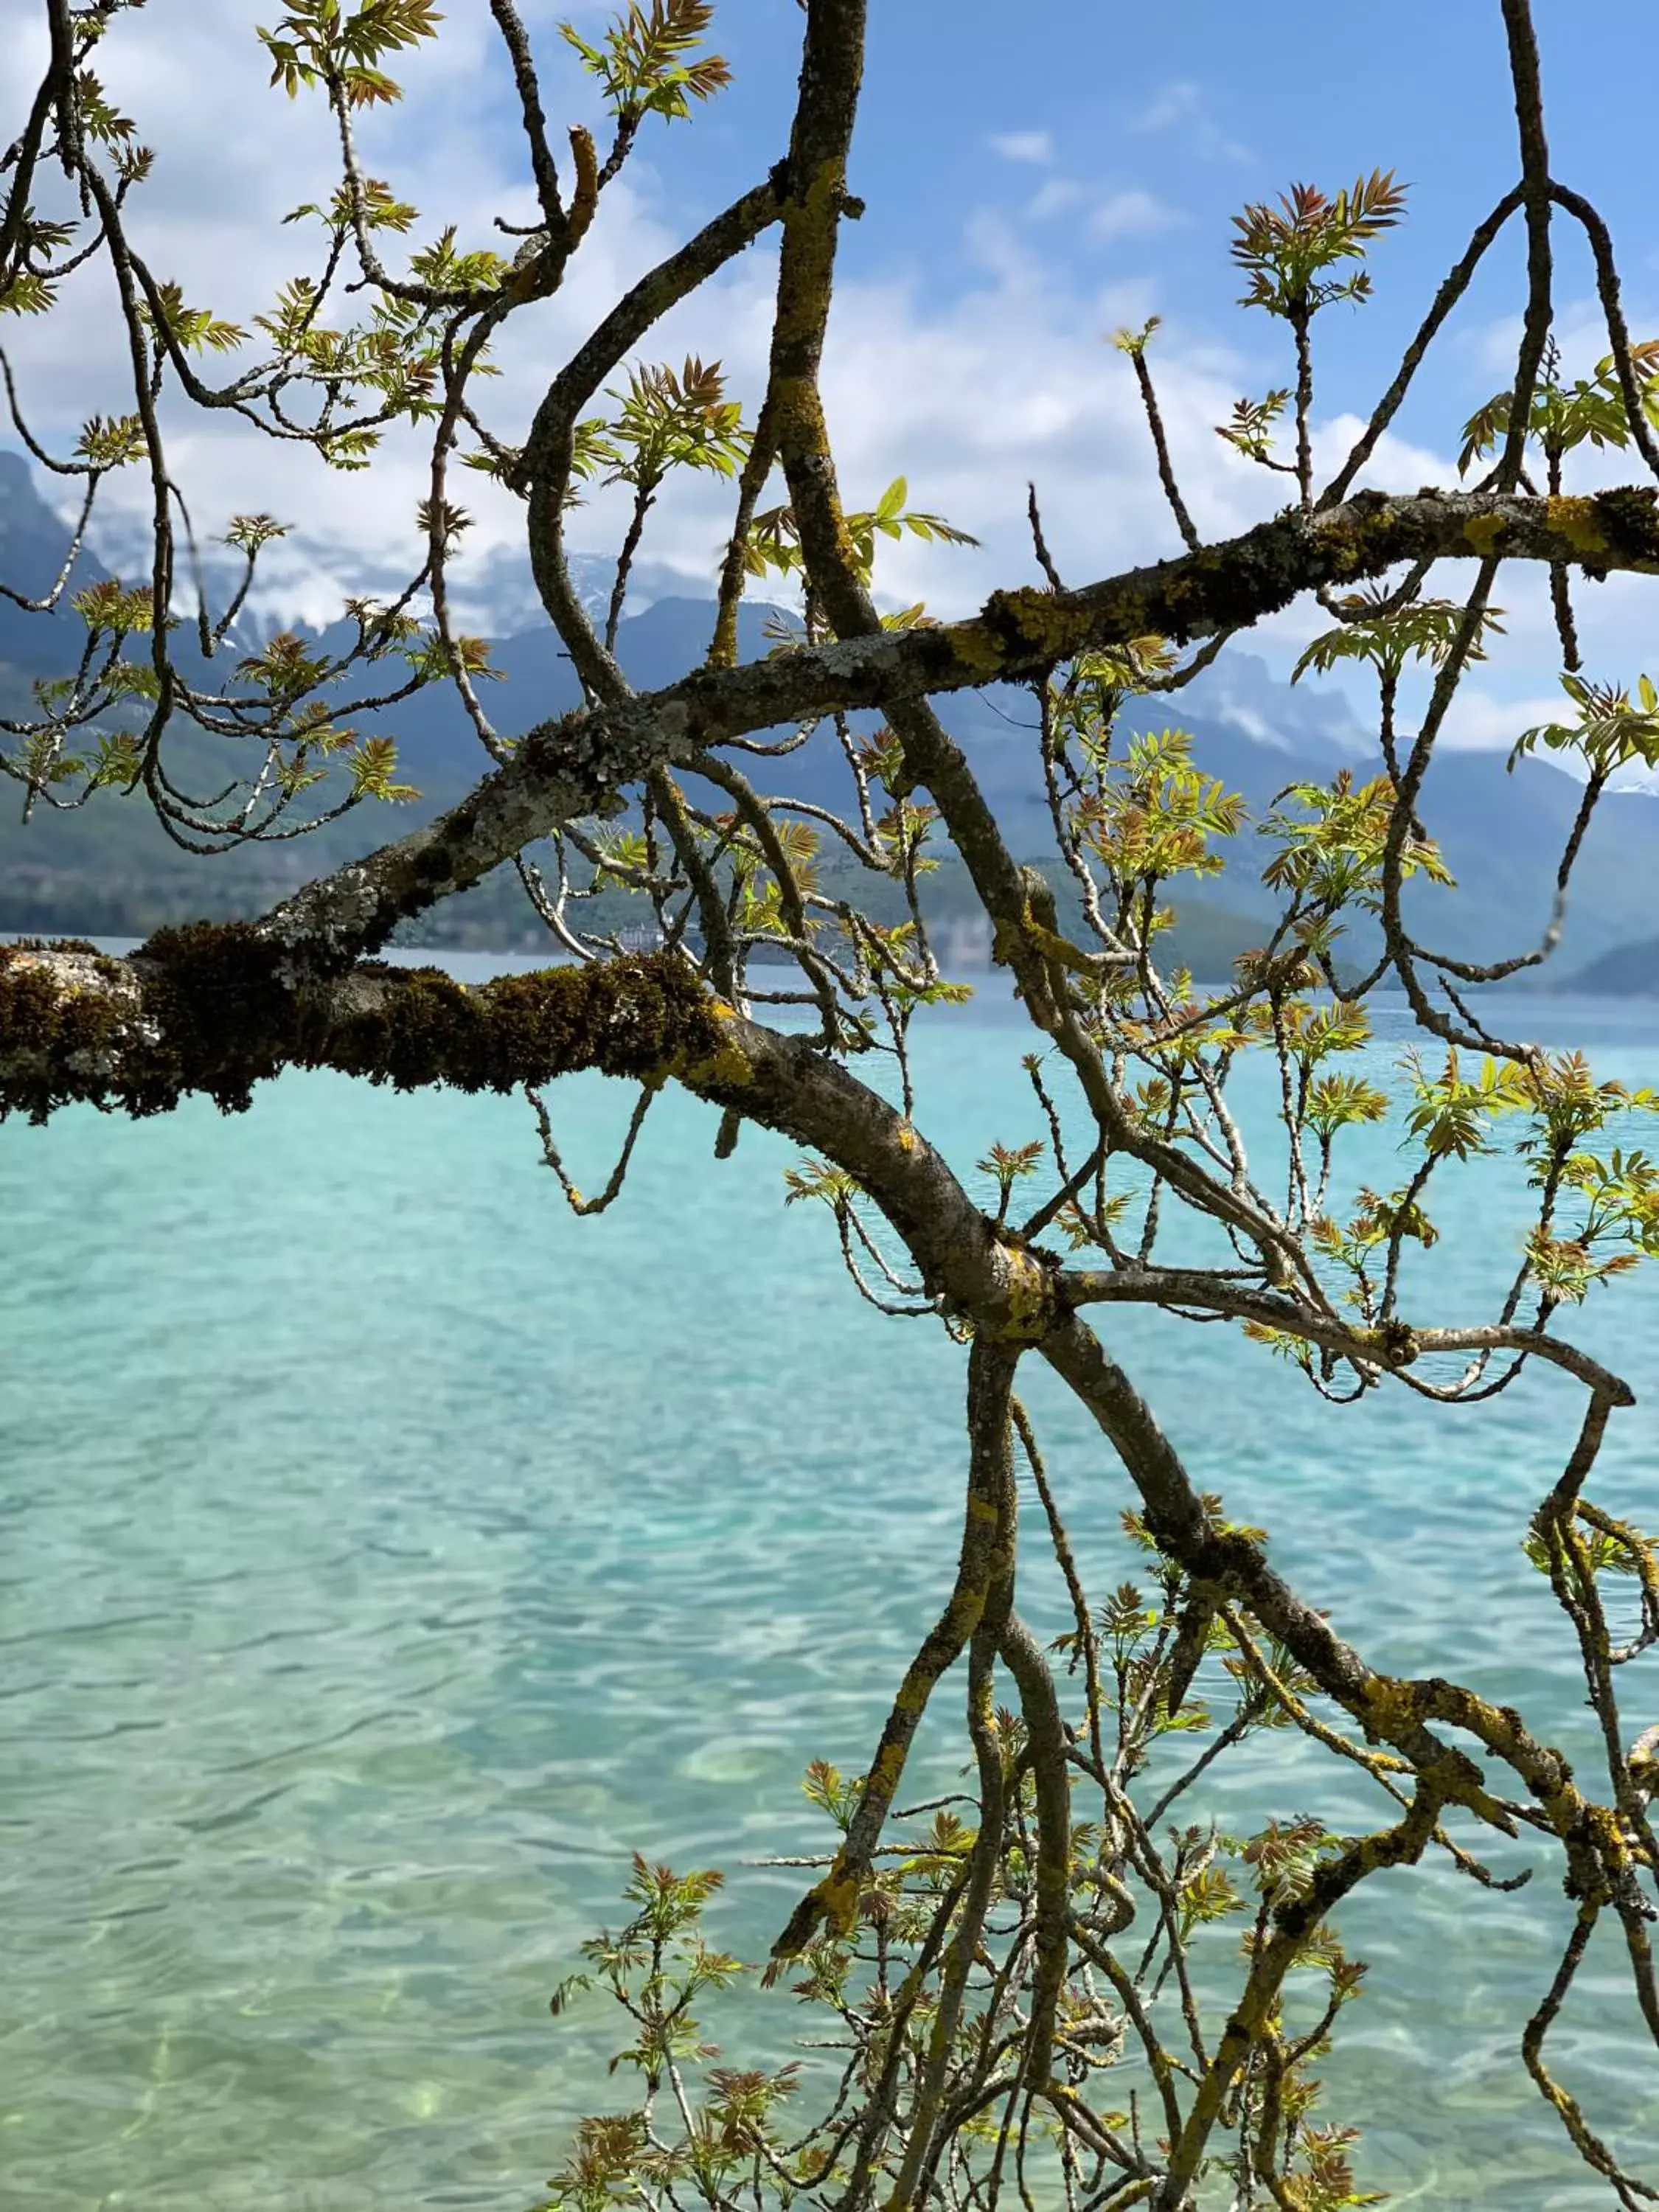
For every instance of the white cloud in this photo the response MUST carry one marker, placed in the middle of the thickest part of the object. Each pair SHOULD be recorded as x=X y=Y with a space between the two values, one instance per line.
x=995 y=242
x=1395 y=465
x=1103 y=215
x=211 y=218
x=1055 y=196
x=1184 y=106
x=1476 y=721
x=1011 y=384
x=1034 y=146
x=1580 y=328
x=1176 y=103
x=970 y=399
x=1132 y=214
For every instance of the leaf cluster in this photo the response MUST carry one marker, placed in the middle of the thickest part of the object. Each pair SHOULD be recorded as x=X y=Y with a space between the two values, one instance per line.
x=649 y=65
x=321 y=41
x=1285 y=251
x=666 y=419
x=1590 y=409
x=1609 y=732
x=772 y=544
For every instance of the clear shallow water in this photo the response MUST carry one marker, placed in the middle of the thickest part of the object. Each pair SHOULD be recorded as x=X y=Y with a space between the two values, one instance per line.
x=384 y=1554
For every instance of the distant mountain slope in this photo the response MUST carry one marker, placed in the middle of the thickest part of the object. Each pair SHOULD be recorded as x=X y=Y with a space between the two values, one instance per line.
x=1629 y=971
x=1502 y=834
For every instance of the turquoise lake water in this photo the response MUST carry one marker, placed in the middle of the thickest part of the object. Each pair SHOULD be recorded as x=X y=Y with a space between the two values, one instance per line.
x=385 y=1553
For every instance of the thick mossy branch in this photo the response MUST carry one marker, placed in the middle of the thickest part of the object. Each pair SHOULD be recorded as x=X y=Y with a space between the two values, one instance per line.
x=633 y=1018
x=206 y=1009
x=209 y=1009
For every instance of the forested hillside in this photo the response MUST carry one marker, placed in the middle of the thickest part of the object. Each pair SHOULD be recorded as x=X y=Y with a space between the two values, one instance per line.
x=109 y=869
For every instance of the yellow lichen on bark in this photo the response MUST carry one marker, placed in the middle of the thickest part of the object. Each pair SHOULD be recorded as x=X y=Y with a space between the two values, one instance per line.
x=1027 y=1299
x=1578 y=522
x=728 y=1065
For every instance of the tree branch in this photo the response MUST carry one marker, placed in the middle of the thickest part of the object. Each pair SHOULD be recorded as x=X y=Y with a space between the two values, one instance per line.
x=576 y=765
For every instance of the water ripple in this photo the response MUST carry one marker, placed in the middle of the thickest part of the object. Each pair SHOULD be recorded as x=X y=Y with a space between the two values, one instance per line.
x=378 y=1579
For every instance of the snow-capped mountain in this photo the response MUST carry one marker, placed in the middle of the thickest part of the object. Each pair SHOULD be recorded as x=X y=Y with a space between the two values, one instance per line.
x=302 y=582
x=1240 y=692
x=1502 y=834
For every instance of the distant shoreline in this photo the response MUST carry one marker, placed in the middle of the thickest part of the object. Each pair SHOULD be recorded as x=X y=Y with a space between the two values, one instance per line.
x=475 y=964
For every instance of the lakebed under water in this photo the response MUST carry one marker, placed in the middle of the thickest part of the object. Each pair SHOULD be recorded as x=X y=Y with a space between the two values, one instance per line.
x=385 y=1553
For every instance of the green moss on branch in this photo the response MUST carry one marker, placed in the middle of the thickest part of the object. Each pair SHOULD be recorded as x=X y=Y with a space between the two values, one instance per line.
x=206 y=1009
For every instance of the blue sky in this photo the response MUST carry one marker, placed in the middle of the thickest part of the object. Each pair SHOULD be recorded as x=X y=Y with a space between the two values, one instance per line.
x=1035 y=175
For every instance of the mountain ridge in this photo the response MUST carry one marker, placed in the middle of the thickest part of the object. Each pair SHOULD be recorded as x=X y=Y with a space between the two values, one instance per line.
x=1501 y=833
